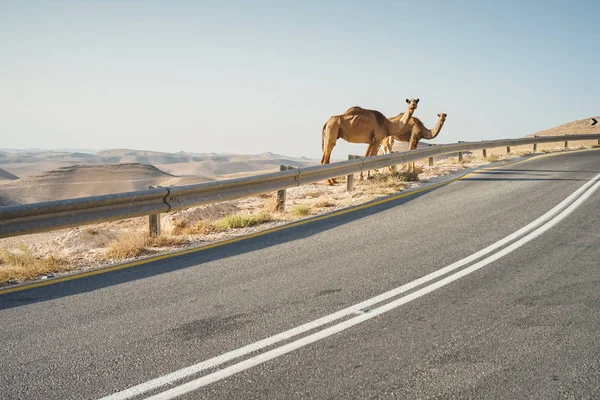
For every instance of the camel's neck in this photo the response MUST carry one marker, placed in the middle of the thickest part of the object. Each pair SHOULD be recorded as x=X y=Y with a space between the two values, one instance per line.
x=431 y=134
x=407 y=115
x=401 y=120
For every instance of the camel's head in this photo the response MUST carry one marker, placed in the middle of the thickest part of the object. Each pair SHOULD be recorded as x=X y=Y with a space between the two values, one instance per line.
x=412 y=104
x=442 y=116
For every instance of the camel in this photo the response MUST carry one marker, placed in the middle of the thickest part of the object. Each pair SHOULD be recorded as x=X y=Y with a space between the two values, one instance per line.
x=359 y=125
x=417 y=132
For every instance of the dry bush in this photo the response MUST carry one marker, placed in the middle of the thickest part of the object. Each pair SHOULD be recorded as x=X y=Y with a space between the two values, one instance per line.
x=127 y=246
x=493 y=157
x=242 y=221
x=315 y=194
x=387 y=183
x=269 y=204
x=164 y=241
x=180 y=227
x=20 y=264
x=524 y=153
x=410 y=176
x=301 y=210
x=201 y=227
x=92 y=231
x=135 y=244
x=324 y=204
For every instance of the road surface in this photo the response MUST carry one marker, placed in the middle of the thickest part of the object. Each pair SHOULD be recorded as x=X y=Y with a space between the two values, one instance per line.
x=487 y=287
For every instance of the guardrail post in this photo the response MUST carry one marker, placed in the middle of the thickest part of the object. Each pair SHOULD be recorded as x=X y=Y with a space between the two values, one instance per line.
x=350 y=177
x=280 y=206
x=535 y=147
x=460 y=156
x=484 y=154
x=431 y=161
x=566 y=144
x=507 y=149
x=153 y=220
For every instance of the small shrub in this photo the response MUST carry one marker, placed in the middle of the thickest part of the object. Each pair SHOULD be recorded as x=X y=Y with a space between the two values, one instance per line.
x=269 y=204
x=301 y=210
x=493 y=158
x=135 y=244
x=92 y=231
x=242 y=221
x=203 y=227
x=20 y=263
x=164 y=241
x=127 y=246
x=324 y=204
x=409 y=176
x=179 y=227
x=314 y=194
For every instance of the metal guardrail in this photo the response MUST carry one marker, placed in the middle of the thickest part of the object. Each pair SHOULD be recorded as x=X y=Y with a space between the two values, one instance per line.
x=53 y=215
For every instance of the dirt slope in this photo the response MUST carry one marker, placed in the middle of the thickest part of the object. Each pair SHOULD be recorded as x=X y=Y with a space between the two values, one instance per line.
x=579 y=127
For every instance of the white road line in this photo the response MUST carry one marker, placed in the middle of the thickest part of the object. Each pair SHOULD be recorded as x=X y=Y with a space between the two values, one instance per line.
x=269 y=355
x=261 y=344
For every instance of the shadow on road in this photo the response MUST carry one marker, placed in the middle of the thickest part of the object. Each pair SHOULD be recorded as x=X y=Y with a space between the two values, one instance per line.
x=246 y=245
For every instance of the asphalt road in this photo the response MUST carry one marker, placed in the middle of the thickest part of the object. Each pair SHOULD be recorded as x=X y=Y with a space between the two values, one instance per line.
x=524 y=323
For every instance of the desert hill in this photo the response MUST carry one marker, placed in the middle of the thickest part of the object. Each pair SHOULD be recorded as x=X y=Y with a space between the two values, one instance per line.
x=7 y=176
x=579 y=127
x=88 y=180
x=30 y=163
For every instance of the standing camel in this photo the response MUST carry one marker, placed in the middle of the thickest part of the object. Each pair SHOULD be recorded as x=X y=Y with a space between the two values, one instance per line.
x=359 y=125
x=414 y=135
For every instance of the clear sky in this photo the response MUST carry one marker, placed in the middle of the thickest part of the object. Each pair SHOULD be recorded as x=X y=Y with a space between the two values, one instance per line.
x=257 y=76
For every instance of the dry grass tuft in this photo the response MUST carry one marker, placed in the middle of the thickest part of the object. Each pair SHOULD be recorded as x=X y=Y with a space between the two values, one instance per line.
x=201 y=227
x=164 y=241
x=493 y=157
x=20 y=264
x=269 y=204
x=324 y=204
x=315 y=194
x=301 y=210
x=135 y=244
x=387 y=183
x=410 y=176
x=242 y=221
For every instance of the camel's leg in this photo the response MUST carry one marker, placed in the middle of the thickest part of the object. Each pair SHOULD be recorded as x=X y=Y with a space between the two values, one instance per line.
x=371 y=151
x=412 y=145
x=366 y=155
x=387 y=149
x=330 y=134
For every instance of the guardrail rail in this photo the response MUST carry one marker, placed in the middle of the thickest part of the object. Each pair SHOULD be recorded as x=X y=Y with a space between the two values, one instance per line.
x=41 y=217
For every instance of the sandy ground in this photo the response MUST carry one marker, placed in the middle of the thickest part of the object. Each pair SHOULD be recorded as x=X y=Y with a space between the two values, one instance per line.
x=85 y=247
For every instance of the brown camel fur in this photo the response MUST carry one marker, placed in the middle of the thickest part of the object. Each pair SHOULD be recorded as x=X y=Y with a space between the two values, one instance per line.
x=359 y=125
x=417 y=132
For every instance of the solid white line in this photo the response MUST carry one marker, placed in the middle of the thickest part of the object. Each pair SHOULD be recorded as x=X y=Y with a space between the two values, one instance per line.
x=269 y=355
x=242 y=351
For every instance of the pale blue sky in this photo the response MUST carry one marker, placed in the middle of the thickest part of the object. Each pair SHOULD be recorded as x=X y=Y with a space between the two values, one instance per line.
x=257 y=76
